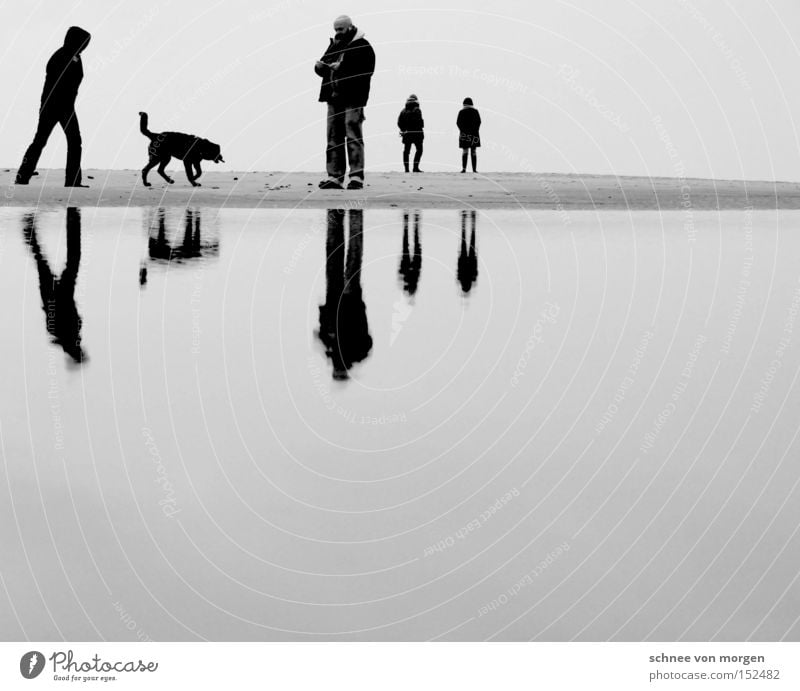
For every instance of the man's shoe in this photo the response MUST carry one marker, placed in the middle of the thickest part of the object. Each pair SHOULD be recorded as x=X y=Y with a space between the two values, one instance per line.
x=330 y=185
x=355 y=184
x=417 y=170
x=76 y=185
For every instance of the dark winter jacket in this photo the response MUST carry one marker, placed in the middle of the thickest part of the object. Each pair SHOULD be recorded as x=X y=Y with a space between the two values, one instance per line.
x=411 y=123
x=469 y=125
x=348 y=84
x=65 y=72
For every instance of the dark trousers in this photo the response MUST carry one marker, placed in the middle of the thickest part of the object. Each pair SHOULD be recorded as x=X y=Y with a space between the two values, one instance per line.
x=48 y=119
x=417 y=142
x=474 y=155
x=344 y=127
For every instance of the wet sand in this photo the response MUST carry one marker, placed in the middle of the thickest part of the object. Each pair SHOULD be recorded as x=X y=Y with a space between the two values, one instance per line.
x=384 y=190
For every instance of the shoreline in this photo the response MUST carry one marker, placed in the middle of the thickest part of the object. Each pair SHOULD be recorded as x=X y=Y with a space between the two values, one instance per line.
x=546 y=191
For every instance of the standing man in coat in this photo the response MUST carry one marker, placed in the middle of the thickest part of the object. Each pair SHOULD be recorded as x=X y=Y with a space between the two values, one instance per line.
x=346 y=69
x=61 y=82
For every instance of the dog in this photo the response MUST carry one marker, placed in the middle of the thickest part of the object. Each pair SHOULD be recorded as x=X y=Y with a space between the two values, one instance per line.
x=187 y=147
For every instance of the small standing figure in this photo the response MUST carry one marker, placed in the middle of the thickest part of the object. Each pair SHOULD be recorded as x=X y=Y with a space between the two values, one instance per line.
x=64 y=76
x=411 y=127
x=469 y=136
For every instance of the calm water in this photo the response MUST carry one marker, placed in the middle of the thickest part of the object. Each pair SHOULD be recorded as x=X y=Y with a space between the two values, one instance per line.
x=399 y=424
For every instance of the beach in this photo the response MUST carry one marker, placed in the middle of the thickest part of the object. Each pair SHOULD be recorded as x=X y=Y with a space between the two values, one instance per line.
x=393 y=189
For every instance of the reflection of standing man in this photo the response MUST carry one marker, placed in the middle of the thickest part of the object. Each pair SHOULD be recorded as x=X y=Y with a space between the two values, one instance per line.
x=63 y=77
x=346 y=69
x=343 y=327
x=62 y=320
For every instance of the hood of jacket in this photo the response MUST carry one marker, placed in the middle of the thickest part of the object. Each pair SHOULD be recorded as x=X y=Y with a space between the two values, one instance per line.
x=357 y=34
x=76 y=39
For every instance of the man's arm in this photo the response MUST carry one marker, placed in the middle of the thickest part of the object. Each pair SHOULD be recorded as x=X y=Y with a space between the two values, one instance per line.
x=369 y=61
x=325 y=64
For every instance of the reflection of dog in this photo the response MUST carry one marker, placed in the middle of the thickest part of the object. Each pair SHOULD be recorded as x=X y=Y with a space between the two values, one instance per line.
x=190 y=149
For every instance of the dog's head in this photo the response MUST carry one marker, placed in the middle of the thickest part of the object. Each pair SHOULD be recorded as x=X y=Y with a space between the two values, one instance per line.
x=210 y=151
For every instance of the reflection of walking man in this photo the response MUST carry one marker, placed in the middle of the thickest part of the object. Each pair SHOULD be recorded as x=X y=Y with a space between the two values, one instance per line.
x=343 y=327
x=62 y=320
x=346 y=69
x=63 y=77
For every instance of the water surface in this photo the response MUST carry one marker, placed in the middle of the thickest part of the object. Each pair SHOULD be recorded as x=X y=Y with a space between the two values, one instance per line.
x=398 y=424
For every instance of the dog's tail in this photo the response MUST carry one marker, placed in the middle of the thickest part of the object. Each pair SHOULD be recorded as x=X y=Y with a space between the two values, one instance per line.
x=143 y=126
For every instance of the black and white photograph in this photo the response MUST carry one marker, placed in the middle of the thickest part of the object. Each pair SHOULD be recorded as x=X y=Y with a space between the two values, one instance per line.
x=441 y=326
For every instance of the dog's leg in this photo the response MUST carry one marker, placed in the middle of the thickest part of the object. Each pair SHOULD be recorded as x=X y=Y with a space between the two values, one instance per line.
x=198 y=171
x=150 y=165
x=188 y=166
x=162 y=172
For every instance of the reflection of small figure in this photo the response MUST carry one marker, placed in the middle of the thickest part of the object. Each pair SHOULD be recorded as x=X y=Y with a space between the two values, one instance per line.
x=411 y=265
x=467 y=272
x=343 y=327
x=62 y=320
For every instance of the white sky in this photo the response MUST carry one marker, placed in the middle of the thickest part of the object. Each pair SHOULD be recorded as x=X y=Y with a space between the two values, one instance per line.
x=561 y=86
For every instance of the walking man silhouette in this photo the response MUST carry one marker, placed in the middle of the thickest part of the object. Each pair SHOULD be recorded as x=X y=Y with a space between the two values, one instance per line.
x=63 y=77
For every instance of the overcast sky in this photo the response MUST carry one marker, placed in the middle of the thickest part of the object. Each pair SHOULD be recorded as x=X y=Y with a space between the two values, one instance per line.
x=660 y=87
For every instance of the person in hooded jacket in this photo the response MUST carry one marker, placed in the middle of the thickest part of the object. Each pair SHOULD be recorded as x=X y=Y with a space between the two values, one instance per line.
x=346 y=69
x=411 y=127
x=63 y=77
x=469 y=134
